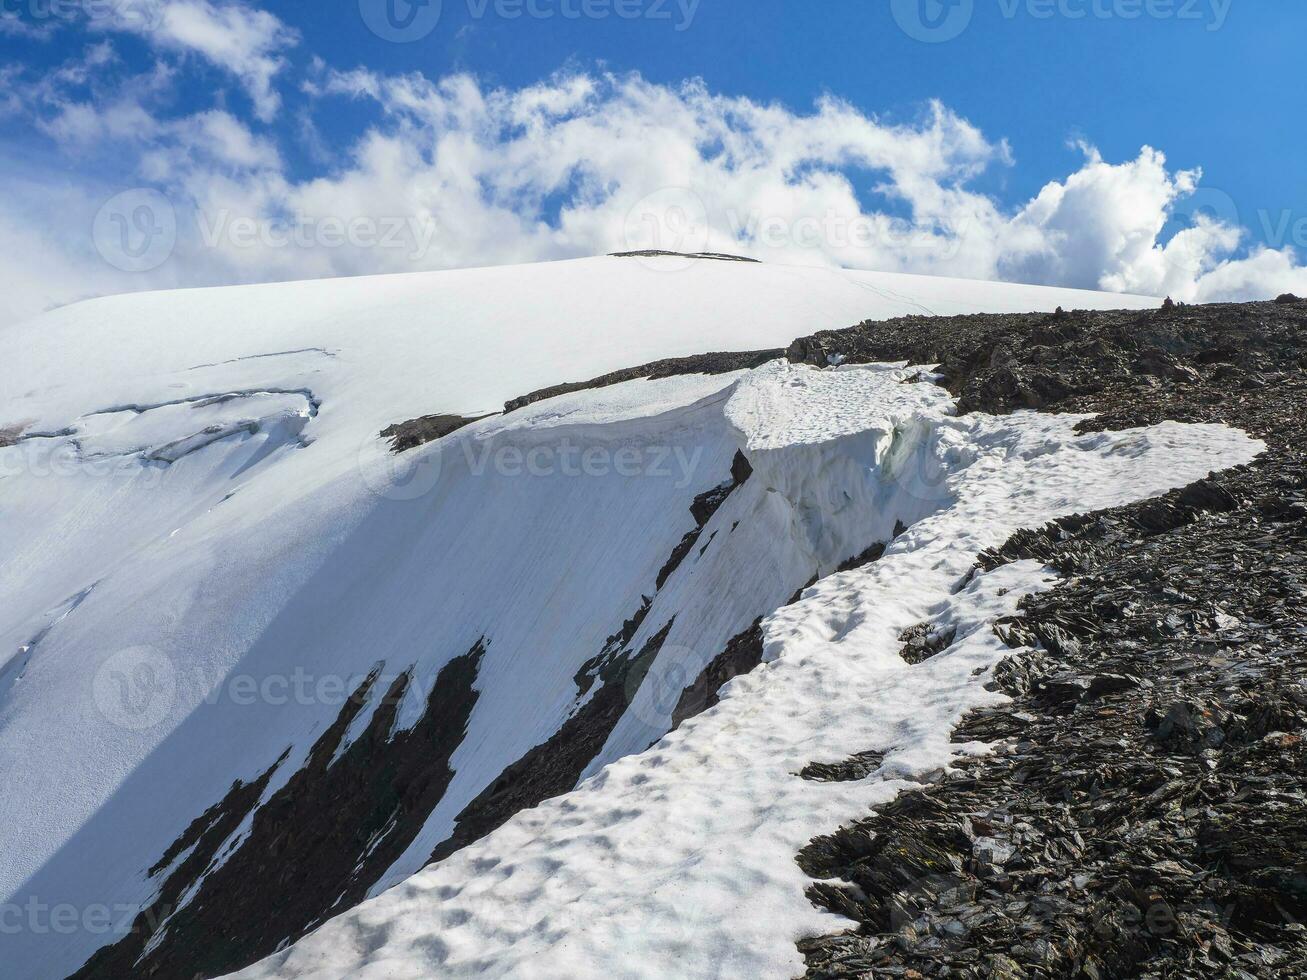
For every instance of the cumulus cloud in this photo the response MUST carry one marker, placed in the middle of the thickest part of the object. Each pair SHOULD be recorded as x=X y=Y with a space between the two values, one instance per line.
x=584 y=164
x=1266 y=272
x=88 y=118
x=233 y=37
x=454 y=173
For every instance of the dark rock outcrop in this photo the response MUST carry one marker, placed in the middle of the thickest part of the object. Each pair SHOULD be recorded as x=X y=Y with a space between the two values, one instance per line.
x=312 y=849
x=651 y=253
x=555 y=766
x=1143 y=813
x=719 y=362
x=742 y=654
x=702 y=510
x=408 y=435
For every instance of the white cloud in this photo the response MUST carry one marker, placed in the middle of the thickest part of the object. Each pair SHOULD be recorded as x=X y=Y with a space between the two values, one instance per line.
x=204 y=142
x=232 y=36
x=89 y=125
x=126 y=120
x=81 y=109
x=1265 y=273
x=584 y=164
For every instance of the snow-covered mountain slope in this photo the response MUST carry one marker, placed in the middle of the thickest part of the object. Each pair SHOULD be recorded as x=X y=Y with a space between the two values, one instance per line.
x=237 y=633
x=680 y=861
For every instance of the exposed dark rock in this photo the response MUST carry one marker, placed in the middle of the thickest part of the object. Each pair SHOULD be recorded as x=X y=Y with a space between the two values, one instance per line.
x=202 y=838
x=871 y=554
x=1144 y=813
x=678 y=555
x=742 y=654
x=702 y=510
x=312 y=850
x=650 y=253
x=9 y=435
x=719 y=362
x=1085 y=361
x=858 y=766
x=925 y=640
x=741 y=468
x=555 y=766
x=417 y=432
x=614 y=647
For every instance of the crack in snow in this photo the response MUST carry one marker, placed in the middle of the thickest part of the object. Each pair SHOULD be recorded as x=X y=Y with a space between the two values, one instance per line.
x=12 y=672
x=325 y=352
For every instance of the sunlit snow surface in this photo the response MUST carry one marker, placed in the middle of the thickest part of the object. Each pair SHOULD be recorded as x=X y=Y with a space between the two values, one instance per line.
x=198 y=495
x=680 y=861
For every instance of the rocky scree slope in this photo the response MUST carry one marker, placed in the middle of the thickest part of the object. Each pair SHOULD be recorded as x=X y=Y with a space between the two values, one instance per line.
x=1142 y=813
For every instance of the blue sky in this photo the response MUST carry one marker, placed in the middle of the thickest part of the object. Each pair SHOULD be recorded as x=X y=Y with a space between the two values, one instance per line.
x=1216 y=88
x=1048 y=105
